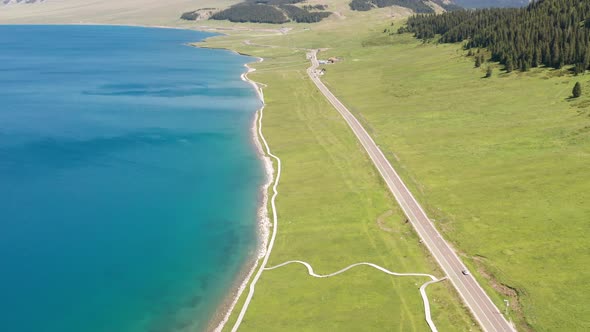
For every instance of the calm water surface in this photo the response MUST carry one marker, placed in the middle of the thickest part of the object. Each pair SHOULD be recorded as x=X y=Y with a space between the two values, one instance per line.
x=128 y=181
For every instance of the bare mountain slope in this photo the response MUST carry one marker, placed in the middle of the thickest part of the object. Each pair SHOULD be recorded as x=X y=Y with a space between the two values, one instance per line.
x=149 y=12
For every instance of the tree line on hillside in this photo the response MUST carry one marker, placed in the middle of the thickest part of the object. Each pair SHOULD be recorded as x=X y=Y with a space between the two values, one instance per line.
x=271 y=11
x=251 y=12
x=551 y=33
x=198 y=14
x=301 y=15
x=190 y=16
x=417 y=6
x=276 y=2
x=316 y=7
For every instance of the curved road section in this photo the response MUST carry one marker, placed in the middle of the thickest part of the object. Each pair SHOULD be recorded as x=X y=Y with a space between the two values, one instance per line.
x=481 y=306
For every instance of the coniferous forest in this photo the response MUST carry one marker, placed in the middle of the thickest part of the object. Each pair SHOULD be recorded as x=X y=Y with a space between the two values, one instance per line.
x=251 y=12
x=272 y=11
x=301 y=15
x=418 y=6
x=552 y=33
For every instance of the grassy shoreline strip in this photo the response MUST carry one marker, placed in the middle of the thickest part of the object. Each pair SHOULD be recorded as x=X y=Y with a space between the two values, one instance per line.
x=331 y=200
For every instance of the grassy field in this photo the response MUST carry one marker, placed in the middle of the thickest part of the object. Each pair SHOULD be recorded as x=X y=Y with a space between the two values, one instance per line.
x=333 y=208
x=501 y=164
x=329 y=204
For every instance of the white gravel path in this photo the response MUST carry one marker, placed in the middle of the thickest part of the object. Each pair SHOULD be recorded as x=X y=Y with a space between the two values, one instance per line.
x=382 y=269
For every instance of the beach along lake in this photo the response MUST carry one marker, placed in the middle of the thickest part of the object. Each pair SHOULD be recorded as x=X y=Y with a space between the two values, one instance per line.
x=129 y=181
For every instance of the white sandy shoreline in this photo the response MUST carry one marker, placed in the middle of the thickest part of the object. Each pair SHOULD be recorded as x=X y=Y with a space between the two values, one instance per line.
x=225 y=311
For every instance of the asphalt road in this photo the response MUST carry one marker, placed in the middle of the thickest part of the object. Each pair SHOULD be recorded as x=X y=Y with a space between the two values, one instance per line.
x=481 y=306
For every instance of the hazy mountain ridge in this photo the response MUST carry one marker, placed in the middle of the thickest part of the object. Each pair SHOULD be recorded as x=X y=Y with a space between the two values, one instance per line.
x=462 y=3
x=430 y=6
x=14 y=2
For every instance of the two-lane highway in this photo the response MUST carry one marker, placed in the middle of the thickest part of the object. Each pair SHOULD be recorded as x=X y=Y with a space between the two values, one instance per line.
x=481 y=306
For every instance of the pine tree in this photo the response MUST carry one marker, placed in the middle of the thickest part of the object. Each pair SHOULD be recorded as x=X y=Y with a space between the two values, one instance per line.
x=556 y=56
x=537 y=58
x=551 y=33
x=577 y=92
x=489 y=72
x=509 y=65
x=478 y=60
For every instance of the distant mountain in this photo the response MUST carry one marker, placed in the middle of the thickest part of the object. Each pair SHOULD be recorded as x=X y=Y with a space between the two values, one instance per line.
x=491 y=3
x=428 y=6
x=418 y=6
x=270 y=11
x=12 y=2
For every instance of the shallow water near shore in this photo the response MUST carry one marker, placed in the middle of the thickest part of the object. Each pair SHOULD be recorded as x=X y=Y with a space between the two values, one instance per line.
x=129 y=183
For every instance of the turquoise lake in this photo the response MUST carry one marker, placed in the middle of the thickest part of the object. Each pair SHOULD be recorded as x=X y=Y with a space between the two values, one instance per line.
x=129 y=183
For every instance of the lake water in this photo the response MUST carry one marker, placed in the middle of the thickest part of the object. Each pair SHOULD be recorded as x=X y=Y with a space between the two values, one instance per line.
x=129 y=184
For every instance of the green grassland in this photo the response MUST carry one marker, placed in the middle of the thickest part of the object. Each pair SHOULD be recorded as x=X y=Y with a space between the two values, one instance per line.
x=329 y=202
x=501 y=164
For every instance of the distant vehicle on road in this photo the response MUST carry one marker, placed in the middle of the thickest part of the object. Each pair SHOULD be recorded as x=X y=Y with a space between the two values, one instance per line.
x=465 y=272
